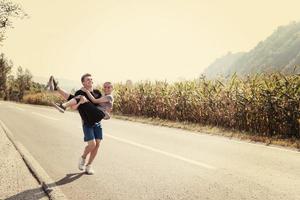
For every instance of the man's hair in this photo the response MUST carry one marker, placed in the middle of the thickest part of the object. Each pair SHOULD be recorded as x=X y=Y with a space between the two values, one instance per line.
x=84 y=76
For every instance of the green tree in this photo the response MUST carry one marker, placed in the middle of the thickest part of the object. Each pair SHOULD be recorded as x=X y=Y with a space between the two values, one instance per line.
x=37 y=87
x=23 y=81
x=8 y=11
x=5 y=69
x=12 y=90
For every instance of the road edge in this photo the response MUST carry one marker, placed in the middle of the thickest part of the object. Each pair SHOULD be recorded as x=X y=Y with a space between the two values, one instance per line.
x=230 y=134
x=54 y=193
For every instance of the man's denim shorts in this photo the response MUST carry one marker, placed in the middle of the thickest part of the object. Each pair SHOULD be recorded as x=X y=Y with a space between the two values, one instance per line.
x=92 y=132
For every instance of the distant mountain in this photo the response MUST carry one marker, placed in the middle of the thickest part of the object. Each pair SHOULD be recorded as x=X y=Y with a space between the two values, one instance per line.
x=66 y=84
x=279 y=52
x=221 y=66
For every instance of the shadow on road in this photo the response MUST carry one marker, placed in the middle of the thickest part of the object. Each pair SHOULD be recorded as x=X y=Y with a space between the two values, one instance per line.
x=38 y=193
x=67 y=179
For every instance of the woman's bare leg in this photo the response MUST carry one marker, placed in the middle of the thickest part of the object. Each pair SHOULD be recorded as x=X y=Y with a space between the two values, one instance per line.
x=63 y=93
x=70 y=103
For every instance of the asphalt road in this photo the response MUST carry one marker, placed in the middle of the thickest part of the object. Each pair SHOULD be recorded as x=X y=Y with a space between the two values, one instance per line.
x=138 y=161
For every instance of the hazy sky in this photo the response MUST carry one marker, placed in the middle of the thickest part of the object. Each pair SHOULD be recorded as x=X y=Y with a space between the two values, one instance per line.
x=137 y=39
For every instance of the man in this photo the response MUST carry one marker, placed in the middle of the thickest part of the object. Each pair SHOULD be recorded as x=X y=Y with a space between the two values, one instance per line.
x=92 y=132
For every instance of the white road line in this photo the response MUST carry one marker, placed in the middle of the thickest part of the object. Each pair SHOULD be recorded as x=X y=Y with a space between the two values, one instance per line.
x=16 y=107
x=21 y=109
x=31 y=106
x=162 y=152
x=45 y=116
x=233 y=140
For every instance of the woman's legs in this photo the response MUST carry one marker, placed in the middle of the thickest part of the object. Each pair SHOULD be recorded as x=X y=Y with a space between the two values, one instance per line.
x=53 y=86
x=63 y=93
x=72 y=102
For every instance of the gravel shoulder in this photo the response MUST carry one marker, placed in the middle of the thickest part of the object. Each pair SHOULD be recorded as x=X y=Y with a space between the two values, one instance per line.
x=16 y=180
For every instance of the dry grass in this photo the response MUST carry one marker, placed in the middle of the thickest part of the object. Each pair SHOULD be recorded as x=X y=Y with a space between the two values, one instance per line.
x=43 y=98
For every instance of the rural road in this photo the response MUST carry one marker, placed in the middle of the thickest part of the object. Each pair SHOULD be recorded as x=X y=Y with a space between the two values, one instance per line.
x=138 y=161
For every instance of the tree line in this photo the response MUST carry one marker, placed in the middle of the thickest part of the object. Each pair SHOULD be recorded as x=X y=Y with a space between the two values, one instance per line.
x=13 y=87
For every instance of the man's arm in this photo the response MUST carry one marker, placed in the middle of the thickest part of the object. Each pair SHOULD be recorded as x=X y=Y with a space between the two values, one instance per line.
x=82 y=100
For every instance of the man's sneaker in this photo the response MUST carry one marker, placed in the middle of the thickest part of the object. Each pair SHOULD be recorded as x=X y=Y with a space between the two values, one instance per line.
x=89 y=170
x=81 y=163
x=55 y=83
x=59 y=107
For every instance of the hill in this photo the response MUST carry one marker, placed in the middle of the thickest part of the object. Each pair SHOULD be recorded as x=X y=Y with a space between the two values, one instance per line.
x=279 y=52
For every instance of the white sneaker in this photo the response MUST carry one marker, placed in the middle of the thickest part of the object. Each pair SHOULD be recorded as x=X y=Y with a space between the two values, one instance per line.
x=81 y=163
x=89 y=170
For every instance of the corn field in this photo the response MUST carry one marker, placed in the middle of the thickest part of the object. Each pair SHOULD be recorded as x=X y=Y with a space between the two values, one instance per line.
x=267 y=105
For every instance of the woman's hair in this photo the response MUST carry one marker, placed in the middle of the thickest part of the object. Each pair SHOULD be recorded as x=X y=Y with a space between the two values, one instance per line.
x=108 y=83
